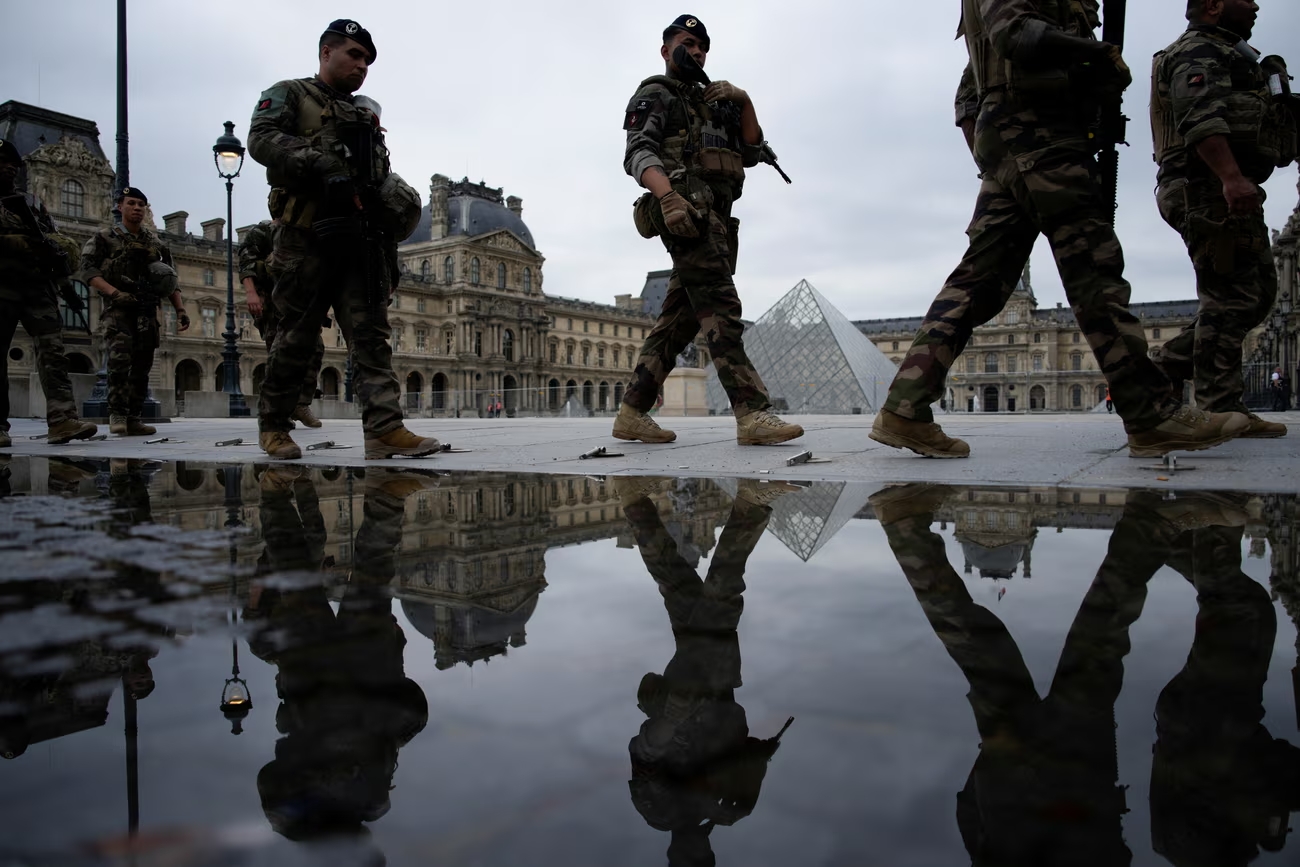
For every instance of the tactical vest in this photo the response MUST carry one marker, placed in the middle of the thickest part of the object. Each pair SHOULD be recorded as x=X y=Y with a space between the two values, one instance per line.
x=319 y=118
x=1261 y=131
x=700 y=143
x=1076 y=17
x=128 y=268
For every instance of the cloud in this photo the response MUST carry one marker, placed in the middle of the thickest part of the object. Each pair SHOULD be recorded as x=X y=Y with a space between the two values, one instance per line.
x=856 y=100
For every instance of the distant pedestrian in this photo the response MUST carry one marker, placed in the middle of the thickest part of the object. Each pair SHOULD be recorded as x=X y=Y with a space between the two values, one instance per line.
x=1278 y=385
x=1110 y=406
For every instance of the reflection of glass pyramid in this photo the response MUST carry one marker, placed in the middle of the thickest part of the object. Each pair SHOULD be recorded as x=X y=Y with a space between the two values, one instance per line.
x=812 y=359
x=805 y=521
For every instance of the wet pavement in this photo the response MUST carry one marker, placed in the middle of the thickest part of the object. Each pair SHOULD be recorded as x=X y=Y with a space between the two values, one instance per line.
x=206 y=664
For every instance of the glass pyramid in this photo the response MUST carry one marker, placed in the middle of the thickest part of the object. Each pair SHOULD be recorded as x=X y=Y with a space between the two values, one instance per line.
x=812 y=359
x=805 y=521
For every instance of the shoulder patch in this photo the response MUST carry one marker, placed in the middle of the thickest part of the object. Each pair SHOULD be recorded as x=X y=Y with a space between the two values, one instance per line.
x=637 y=114
x=271 y=100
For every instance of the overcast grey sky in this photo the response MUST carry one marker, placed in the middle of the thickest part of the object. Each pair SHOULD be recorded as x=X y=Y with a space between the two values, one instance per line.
x=856 y=98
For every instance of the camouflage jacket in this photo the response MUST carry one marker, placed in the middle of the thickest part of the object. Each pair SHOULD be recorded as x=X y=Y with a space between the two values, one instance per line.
x=966 y=105
x=123 y=259
x=1203 y=86
x=254 y=252
x=669 y=125
x=20 y=251
x=1004 y=39
x=295 y=133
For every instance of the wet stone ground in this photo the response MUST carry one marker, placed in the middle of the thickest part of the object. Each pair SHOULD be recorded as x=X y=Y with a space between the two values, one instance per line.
x=219 y=665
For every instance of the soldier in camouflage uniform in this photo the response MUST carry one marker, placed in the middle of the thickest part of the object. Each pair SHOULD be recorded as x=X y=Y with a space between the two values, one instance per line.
x=1219 y=135
x=689 y=146
x=328 y=170
x=27 y=296
x=132 y=269
x=256 y=274
x=1038 y=77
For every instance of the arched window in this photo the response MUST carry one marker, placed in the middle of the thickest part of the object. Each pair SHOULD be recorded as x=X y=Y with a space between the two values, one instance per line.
x=991 y=363
x=1076 y=396
x=448 y=270
x=425 y=270
x=474 y=271
x=72 y=199
x=501 y=276
x=528 y=280
x=1076 y=361
x=508 y=343
x=1037 y=398
x=1012 y=317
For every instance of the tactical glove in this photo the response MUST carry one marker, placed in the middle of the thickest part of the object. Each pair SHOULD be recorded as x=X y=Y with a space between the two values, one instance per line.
x=725 y=91
x=123 y=299
x=1121 y=68
x=679 y=216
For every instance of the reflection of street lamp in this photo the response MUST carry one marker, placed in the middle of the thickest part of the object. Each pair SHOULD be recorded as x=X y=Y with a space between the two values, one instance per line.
x=236 y=701
x=228 y=153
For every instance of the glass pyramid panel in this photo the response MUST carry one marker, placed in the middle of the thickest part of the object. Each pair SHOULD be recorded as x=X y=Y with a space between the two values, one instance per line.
x=812 y=359
x=806 y=520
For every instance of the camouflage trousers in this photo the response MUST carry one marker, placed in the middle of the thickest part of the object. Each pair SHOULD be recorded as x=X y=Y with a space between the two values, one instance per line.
x=701 y=297
x=130 y=338
x=38 y=313
x=1236 y=284
x=312 y=281
x=1037 y=179
x=269 y=325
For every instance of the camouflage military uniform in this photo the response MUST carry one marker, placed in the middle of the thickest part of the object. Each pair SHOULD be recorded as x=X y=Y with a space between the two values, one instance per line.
x=27 y=297
x=670 y=126
x=255 y=263
x=1039 y=177
x=131 y=331
x=294 y=133
x=1201 y=86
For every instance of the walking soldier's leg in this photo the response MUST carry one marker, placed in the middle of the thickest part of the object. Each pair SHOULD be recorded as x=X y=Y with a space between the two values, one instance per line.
x=1001 y=238
x=301 y=298
x=673 y=332
x=144 y=342
x=119 y=338
x=9 y=312
x=312 y=376
x=40 y=316
x=364 y=323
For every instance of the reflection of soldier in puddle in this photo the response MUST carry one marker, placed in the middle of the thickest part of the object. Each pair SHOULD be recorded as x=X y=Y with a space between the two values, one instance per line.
x=694 y=763
x=346 y=705
x=292 y=525
x=1222 y=787
x=1044 y=788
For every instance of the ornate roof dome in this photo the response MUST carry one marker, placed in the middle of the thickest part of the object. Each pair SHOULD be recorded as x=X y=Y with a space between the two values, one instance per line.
x=469 y=209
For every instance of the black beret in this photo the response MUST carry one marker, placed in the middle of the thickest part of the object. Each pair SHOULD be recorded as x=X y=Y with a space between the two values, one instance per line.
x=689 y=24
x=131 y=192
x=9 y=152
x=352 y=30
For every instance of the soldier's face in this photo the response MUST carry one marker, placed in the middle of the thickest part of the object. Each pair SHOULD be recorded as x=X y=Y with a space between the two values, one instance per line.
x=1239 y=16
x=344 y=67
x=132 y=211
x=693 y=47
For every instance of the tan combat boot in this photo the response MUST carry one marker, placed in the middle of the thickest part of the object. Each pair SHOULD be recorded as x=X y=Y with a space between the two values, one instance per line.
x=279 y=479
x=923 y=437
x=629 y=489
x=117 y=424
x=400 y=442
x=399 y=484
x=68 y=430
x=1259 y=429
x=5 y=441
x=279 y=444
x=1187 y=430
x=632 y=425
x=137 y=428
x=763 y=493
x=898 y=502
x=304 y=414
x=765 y=428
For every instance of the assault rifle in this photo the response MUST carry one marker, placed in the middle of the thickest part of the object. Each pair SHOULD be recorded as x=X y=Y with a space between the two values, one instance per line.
x=1113 y=130
x=694 y=72
x=51 y=258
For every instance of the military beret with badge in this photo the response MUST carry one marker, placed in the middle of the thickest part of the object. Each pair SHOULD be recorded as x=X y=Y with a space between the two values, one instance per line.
x=131 y=193
x=689 y=24
x=352 y=30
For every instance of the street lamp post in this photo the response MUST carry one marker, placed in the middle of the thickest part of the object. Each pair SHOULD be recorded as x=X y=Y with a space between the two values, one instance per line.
x=228 y=153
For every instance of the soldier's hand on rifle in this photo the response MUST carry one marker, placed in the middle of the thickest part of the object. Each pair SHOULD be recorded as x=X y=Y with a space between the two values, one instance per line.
x=1117 y=58
x=182 y=321
x=725 y=91
x=123 y=298
x=679 y=216
x=254 y=303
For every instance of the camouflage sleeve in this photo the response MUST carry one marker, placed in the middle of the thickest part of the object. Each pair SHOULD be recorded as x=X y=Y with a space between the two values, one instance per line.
x=967 y=103
x=254 y=249
x=273 y=139
x=1199 y=83
x=94 y=254
x=165 y=255
x=645 y=122
x=1015 y=27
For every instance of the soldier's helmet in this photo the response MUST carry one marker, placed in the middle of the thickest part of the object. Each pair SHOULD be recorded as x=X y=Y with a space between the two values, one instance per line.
x=161 y=280
x=401 y=206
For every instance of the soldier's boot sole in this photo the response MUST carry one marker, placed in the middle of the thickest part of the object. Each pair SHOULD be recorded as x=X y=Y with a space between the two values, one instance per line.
x=901 y=441
x=783 y=435
x=654 y=439
x=1177 y=444
x=84 y=430
x=377 y=450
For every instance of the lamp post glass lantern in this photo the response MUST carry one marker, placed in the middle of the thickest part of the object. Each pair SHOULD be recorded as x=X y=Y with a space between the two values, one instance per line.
x=228 y=154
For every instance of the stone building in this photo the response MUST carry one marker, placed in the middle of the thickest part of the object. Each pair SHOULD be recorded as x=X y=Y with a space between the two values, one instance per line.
x=1028 y=358
x=471 y=324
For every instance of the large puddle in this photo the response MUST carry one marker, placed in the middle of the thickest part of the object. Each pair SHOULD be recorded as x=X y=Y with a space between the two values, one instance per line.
x=210 y=665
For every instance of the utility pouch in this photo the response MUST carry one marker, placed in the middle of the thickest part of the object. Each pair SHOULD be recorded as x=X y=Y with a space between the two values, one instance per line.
x=297 y=211
x=1041 y=85
x=696 y=191
x=643 y=215
x=275 y=202
x=720 y=164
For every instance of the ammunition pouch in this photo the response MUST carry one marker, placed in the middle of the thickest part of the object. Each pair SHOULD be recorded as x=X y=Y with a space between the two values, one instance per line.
x=644 y=211
x=1041 y=86
x=720 y=164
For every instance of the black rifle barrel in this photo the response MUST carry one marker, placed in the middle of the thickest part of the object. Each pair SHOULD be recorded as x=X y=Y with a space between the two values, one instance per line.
x=1113 y=121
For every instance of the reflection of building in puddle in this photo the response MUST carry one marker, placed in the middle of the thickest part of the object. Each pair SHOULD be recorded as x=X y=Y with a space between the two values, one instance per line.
x=805 y=521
